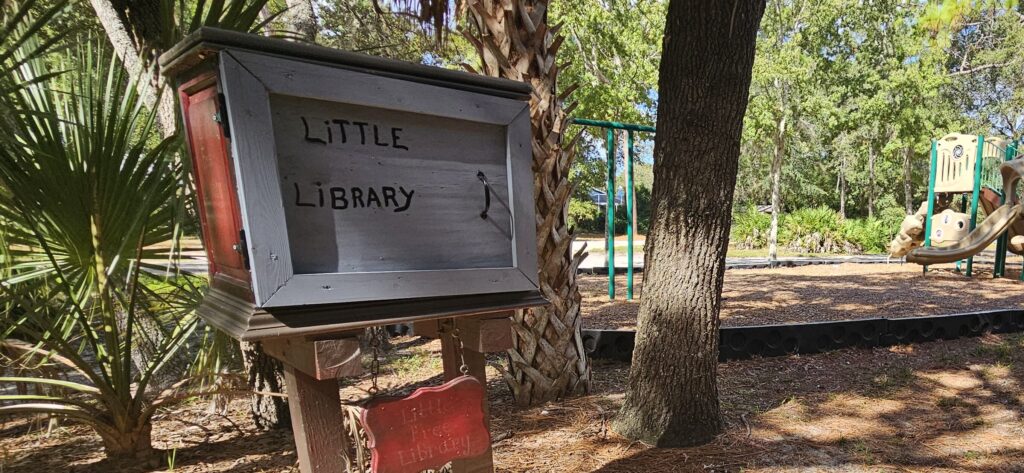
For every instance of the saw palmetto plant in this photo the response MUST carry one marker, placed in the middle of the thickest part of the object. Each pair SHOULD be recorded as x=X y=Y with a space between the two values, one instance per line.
x=87 y=188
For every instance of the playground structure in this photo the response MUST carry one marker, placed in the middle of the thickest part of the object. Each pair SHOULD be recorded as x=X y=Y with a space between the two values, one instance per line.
x=962 y=165
x=610 y=144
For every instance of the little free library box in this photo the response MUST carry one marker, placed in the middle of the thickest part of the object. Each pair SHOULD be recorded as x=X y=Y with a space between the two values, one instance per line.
x=338 y=191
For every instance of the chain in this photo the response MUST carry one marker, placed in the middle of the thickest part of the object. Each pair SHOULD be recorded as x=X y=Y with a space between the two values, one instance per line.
x=463 y=367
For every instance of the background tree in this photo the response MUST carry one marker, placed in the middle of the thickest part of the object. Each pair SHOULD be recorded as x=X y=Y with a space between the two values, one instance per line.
x=780 y=92
x=672 y=397
x=547 y=360
x=611 y=58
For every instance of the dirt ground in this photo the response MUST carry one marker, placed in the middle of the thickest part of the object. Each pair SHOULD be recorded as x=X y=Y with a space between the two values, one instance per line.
x=933 y=407
x=823 y=292
x=951 y=406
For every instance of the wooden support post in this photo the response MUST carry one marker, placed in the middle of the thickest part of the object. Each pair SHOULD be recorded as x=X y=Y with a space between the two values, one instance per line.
x=321 y=359
x=478 y=369
x=311 y=369
x=315 y=406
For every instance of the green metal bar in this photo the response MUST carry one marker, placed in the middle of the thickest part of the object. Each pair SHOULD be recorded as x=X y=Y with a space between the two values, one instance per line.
x=1003 y=242
x=931 y=198
x=609 y=210
x=976 y=194
x=1010 y=156
x=629 y=215
x=1000 y=264
x=613 y=125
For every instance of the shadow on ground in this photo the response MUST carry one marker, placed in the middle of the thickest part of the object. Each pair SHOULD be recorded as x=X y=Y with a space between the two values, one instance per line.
x=821 y=293
x=941 y=406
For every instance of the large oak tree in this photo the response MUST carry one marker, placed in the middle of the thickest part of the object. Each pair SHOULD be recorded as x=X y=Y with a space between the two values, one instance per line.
x=708 y=54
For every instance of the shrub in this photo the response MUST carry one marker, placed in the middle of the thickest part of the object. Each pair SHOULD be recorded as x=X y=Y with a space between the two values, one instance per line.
x=814 y=230
x=585 y=215
x=817 y=230
x=643 y=213
x=86 y=196
x=750 y=228
x=872 y=235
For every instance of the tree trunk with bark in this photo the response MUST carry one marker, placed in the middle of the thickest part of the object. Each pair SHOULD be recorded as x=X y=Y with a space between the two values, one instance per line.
x=908 y=176
x=776 y=177
x=300 y=19
x=129 y=443
x=547 y=360
x=269 y=408
x=129 y=29
x=842 y=188
x=672 y=396
x=871 y=180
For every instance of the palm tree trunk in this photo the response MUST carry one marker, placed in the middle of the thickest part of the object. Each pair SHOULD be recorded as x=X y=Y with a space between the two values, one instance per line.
x=547 y=360
x=138 y=63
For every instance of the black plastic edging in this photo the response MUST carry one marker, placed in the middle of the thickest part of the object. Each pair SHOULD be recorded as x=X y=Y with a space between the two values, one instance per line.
x=737 y=343
x=763 y=264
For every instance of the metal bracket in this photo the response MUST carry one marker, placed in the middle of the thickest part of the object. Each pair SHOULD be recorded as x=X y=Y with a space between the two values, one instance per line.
x=242 y=248
x=221 y=116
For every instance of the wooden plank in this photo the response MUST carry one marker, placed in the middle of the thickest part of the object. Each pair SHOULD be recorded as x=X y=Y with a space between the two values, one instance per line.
x=351 y=175
x=212 y=169
x=426 y=328
x=520 y=150
x=316 y=289
x=304 y=79
x=478 y=369
x=315 y=407
x=487 y=334
x=229 y=308
x=205 y=41
x=252 y=146
x=320 y=359
x=427 y=429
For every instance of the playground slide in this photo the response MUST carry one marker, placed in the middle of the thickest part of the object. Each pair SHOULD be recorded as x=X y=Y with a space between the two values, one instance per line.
x=997 y=222
x=990 y=202
x=1000 y=220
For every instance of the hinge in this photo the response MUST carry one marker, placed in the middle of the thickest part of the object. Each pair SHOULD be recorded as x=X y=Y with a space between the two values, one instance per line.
x=221 y=115
x=242 y=248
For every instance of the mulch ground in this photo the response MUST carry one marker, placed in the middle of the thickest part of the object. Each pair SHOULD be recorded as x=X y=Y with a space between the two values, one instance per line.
x=952 y=406
x=821 y=293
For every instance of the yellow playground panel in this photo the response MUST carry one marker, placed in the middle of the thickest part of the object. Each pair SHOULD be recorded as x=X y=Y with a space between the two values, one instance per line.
x=967 y=166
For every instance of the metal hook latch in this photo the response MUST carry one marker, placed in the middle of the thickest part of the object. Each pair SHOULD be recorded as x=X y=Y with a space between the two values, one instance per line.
x=487 y=193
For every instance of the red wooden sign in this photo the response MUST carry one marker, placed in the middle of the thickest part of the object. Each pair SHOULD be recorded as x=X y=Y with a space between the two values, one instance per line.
x=429 y=428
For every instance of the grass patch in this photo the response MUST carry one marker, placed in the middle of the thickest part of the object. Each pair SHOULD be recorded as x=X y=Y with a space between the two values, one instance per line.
x=859 y=449
x=407 y=364
x=950 y=402
x=599 y=249
x=973 y=455
x=892 y=380
x=763 y=253
x=1002 y=351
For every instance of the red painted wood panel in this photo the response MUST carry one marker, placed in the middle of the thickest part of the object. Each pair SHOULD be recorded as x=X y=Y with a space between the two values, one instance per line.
x=215 y=181
x=429 y=428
